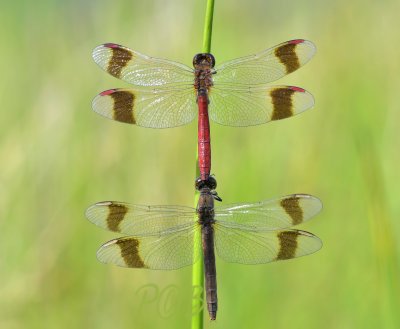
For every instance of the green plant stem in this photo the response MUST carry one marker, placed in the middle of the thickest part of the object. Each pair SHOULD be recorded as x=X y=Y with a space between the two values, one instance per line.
x=208 y=27
x=197 y=275
x=198 y=267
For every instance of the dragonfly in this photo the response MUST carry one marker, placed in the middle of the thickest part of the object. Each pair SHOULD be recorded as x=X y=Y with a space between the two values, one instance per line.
x=168 y=237
x=170 y=94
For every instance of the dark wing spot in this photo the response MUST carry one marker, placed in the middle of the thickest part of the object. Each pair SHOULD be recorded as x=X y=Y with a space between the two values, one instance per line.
x=288 y=57
x=282 y=102
x=115 y=216
x=292 y=207
x=288 y=244
x=123 y=106
x=119 y=59
x=130 y=252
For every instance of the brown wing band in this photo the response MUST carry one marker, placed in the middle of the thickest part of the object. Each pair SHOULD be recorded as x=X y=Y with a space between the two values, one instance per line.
x=115 y=216
x=288 y=57
x=119 y=59
x=123 y=106
x=292 y=207
x=288 y=244
x=282 y=103
x=130 y=253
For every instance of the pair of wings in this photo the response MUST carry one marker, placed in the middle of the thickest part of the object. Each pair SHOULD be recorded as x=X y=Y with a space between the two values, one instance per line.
x=168 y=237
x=164 y=94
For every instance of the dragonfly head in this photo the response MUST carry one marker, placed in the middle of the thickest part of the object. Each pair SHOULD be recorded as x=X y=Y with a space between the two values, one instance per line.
x=208 y=185
x=204 y=59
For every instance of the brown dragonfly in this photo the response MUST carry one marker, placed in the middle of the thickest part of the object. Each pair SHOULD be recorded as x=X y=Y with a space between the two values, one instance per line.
x=233 y=93
x=168 y=237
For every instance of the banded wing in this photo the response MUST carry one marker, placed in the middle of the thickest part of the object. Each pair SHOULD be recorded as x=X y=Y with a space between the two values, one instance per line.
x=140 y=220
x=266 y=66
x=260 y=247
x=138 y=69
x=251 y=233
x=248 y=106
x=165 y=236
x=169 y=251
x=156 y=108
x=275 y=214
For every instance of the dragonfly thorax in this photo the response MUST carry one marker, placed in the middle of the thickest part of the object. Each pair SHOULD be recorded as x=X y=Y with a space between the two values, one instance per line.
x=205 y=208
x=203 y=71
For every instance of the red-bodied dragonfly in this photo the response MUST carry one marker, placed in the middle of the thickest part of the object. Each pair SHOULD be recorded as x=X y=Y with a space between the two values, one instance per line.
x=166 y=238
x=167 y=93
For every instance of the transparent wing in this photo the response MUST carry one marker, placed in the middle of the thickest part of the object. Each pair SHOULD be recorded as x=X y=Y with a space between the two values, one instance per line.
x=266 y=66
x=248 y=106
x=138 y=69
x=148 y=108
x=138 y=219
x=158 y=252
x=259 y=247
x=272 y=214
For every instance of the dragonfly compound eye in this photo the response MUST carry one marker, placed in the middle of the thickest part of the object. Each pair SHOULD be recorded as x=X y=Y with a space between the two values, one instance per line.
x=199 y=184
x=211 y=183
x=210 y=59
x=197 y=59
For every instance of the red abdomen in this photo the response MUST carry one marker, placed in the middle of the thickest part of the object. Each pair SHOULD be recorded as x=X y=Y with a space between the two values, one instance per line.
x=204 y=138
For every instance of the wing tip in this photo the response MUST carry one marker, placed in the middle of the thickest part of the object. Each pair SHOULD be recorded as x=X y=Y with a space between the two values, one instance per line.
x=307 y=100
x=98 y=52
x=314 y=199
x=300 y=91
x=88 y=213
x=307 y=44
x=317 y=240
x=100 y=252
x=316 y=202
x=99 y=48
x=90 y=209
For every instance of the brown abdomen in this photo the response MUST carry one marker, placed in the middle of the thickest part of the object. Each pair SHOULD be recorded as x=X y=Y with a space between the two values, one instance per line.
x=210 y=272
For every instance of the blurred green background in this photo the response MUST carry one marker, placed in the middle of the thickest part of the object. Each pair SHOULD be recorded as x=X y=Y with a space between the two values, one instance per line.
x=58 y=157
